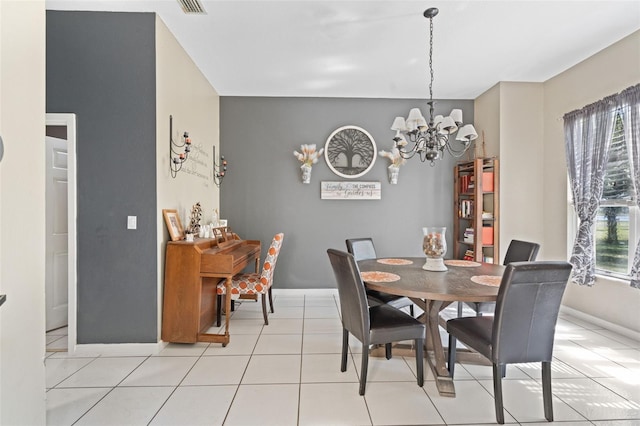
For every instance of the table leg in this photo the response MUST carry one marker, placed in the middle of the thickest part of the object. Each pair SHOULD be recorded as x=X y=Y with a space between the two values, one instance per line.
x=435 y=353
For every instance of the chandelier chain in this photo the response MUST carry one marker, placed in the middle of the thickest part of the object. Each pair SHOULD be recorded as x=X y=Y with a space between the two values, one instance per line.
x=431 y=58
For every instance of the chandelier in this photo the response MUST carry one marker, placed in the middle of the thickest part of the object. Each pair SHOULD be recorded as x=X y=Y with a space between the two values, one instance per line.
x=430 y=139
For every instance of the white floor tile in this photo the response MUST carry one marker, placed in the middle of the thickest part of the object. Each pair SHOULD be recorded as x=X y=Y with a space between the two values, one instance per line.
x=65 y=406
x=62 y=331
x=196 y=406
x=523 y=400
x=332 y=404
x=127 y=406
x=184 y=349
x=239 y=344
x=58 y=369
x=322 y=343
x=594 y=401
x=472 y=404
x=317 y=325
x=312 y=301
x=323 y=368
x=321 y=312
x=244 y=326
x=217 y=370
x=628 y=387
x=283 y=326
x=400 y=404
x=484 y=372
x=595 y=340
x=294 y=365
x=381 y=369
x=590 y=363
x=279 y=344
x=264 y=405
x=57 y=343
x=102 y=372
x=273 y=369
x=160 y=371
x=286 y=312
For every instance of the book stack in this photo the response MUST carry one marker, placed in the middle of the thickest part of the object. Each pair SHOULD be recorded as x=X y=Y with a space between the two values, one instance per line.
x=468 y=235
x=468 y=255
x=466 y=208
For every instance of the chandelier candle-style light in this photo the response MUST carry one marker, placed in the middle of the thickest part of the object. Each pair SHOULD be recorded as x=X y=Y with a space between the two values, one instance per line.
x=430 y=139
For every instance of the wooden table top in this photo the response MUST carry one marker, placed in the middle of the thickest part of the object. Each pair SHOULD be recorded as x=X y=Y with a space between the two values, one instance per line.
x=452 y=285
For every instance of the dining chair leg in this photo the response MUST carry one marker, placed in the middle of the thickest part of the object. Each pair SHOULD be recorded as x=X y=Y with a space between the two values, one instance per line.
x=263 y=299
x=497 y=393
x=547 y=397
x=451 y=355
x=387 y=350
x=218 y=310
x=420 y=361
x=271 y=300
x=345 y=349
x=363 y=368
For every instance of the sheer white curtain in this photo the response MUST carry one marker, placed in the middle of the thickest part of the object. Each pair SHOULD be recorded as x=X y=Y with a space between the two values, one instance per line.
x=630 y=108
x=587 y=138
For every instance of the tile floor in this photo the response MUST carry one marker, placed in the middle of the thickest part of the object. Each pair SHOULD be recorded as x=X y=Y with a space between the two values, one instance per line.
x=288 y=373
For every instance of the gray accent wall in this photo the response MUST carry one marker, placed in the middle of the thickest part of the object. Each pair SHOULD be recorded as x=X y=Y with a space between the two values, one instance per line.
x=101 y=66
x=263 y=194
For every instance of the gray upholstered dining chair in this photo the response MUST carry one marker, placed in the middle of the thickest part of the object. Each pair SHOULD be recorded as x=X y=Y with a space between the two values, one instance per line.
x=371 y=325
x=523 y=326
x=363 y=248
x=518 y=251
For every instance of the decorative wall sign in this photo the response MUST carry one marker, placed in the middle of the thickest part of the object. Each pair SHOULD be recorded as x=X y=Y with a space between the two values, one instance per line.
x=350 y=152
x=350 y=190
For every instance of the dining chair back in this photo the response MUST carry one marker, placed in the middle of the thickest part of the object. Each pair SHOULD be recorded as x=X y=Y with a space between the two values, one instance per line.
x=250 y=285
x=523 y=327
x=381 y=324
x=363 y=249
x=518 y=251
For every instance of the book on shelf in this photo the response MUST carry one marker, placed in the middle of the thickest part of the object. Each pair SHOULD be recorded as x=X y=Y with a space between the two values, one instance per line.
x=466 y=208
x=487 y=215
x=468 y=235
x=468 y=255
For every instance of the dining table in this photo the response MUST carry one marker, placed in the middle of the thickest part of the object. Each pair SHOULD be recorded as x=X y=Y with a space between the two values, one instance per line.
x=432 y=291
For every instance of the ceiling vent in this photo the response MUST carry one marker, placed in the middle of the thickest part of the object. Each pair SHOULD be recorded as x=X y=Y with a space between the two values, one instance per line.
x=192 y=7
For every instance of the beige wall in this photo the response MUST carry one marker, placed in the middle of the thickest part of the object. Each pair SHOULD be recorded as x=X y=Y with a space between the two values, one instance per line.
x=501 y=113
x=22 y=232
x=609 y=71
x=183 y=92
x=523 y=125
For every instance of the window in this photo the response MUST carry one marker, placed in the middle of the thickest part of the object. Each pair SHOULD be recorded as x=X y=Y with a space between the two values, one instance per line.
x=617 y=219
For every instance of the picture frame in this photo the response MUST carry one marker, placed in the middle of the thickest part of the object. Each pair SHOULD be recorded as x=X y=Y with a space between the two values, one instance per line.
x=172 y=220
x=350 y=152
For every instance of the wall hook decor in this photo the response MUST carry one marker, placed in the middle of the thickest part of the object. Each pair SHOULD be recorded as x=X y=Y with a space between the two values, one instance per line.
x=219 y=168
x=176 y=158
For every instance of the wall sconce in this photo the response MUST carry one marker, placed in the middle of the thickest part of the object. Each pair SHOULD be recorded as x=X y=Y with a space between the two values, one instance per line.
x=219 y=168
x=176 y=159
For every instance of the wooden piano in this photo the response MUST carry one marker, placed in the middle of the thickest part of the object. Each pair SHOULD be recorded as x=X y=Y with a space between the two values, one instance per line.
x=192 y=273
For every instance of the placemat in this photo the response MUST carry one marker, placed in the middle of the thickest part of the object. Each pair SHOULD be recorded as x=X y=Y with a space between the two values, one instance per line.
x=462 y=263
x=492 y=280
x=379 y=277
x=395 y=261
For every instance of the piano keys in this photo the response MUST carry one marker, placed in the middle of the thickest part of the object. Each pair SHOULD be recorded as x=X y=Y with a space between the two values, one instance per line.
x=192 y=273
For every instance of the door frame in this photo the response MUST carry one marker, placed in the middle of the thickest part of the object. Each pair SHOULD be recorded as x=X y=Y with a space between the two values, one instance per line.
x=69 y=120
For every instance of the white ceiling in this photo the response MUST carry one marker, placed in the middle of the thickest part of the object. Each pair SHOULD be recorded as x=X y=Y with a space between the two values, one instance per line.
x=379 y=49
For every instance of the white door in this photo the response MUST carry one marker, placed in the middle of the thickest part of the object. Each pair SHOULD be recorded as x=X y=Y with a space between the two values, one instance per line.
x=56 y=247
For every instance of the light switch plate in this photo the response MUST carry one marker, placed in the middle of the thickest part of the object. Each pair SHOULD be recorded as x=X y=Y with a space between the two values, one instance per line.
x=132 y=222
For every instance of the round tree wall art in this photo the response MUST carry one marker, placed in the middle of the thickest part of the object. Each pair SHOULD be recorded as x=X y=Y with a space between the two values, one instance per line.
x=350 y=152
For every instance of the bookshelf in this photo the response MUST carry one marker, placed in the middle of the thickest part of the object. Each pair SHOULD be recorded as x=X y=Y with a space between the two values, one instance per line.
x=476 y=225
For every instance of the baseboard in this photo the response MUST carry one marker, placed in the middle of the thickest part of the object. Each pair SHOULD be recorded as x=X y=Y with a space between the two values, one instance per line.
x=602 y=323
x=305 y=292
x=117 y=349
